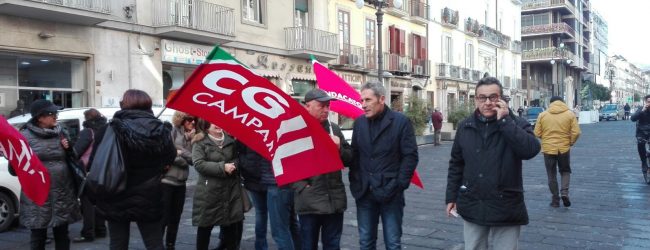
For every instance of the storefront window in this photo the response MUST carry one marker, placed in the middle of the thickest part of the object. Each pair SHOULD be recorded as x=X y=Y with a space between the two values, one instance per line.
x=33 y=77
x=300 y=88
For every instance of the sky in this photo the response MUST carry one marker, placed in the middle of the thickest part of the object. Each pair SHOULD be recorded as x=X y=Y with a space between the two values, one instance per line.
x=629 y=34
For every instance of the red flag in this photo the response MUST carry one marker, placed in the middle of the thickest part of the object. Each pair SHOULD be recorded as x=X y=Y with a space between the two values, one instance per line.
x=32 y=175
x=348 y=99
x=260 y=115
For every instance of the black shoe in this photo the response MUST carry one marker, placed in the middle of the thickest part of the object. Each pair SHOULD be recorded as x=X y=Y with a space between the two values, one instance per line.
x=82 y=239
x=645 y=177
x=566 y=201
x=170 y=246
x=48 y=240
x=555 y=203
x=100 y=235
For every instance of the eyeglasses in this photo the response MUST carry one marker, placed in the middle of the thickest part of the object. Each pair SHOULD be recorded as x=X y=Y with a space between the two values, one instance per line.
x=482 y=98
x=189 y=119
x=54 y=114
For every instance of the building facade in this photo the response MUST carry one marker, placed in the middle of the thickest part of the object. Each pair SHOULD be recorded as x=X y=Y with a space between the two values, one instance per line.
x=556 y=38
x=600 y=50
x=629 y=84
x=470 y=40
x=87 y=53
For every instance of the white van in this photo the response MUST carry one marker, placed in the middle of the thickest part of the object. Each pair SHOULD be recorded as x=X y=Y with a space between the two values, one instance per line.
x=72 y=119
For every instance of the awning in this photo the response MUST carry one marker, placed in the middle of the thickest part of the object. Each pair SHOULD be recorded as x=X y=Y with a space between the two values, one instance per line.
x=266 y=73
x=298 y=76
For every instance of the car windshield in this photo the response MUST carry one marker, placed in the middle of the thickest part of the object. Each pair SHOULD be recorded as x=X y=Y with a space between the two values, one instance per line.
x=533 y=111
x=609 y=108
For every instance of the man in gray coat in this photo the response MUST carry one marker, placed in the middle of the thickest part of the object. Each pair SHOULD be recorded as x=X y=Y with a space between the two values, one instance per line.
x=320 y=200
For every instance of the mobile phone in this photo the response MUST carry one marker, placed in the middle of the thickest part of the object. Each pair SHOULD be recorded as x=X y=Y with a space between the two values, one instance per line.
x=454 y=213
x=505 y=98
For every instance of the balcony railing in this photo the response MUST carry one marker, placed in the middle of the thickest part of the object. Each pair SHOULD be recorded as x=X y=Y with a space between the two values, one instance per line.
x=539 y=4
x=192 y=14
x=546 y=54
x=548 y=28
x=516 y=46
x=449 y=17
x=401 y=11
x=353 y=56
x=419 y=9
x=303 y=38
x=504 y=41
x=397 y=63
x=449 y=71
x=476 y=75
x=489 y=35
x=101 y=6
x=472 y=26
x=421 y=67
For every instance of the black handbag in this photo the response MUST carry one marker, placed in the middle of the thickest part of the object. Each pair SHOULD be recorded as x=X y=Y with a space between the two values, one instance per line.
x=78 y=174
x=107 y=176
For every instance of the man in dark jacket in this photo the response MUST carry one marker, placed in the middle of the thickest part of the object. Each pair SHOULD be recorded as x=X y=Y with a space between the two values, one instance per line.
x=320 y=200
x=642 y=119
x=484 y=181
x=436 y=119
x=384 y=158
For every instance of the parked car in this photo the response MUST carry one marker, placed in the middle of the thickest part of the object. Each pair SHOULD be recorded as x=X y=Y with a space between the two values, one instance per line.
x=72 y=119
x=610 y=111
x=532 y=113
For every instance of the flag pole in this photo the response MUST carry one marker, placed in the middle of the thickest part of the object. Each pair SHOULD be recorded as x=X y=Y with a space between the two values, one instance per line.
x=163 y=110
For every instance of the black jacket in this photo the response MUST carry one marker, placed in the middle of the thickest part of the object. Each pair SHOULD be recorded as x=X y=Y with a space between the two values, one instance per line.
x=485 y=170
x=252 y=167
x=642 y=120
x=384 y=163
x=324 y=194
x=146 y=147
x=85 y=139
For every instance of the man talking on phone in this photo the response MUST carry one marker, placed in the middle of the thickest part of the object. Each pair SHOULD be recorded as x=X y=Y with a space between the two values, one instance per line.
x=484 y=182
x=642 y=119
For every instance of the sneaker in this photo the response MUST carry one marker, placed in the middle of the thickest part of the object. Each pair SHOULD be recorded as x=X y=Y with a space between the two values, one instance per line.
x=645 y=177
x=555 y=203
x=82 y=239
x=566 y=201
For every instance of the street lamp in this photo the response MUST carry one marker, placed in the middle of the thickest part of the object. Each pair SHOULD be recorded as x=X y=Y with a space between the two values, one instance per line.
x=560 y=52
x=379 y=4
x=611 y=73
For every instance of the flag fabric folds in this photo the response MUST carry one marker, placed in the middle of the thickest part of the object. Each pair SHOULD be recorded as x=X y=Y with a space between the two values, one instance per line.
x=259 y=114
x=33 y=176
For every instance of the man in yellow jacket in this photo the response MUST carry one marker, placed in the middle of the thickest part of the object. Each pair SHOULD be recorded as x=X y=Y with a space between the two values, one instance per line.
x=559 y=130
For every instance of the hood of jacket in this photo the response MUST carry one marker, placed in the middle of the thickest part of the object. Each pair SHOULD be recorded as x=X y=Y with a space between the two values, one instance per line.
x=44 y=132
x=177 y=119
x=95 y=123
x=140 y=130
x=557 y=107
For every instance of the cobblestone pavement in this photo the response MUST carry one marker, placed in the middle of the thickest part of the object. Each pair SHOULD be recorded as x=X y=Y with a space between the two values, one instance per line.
x=609 y=211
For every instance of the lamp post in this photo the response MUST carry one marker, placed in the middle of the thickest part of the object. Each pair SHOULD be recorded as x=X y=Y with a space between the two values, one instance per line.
x=560 y=52
x=379 y=5
x=611 y=73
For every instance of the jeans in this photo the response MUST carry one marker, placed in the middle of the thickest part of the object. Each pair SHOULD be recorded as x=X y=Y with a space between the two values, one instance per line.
x=230 y=236
x=94 y=223
x=553 y=164
x=61 y=239
x=261 y=218
x=119 y=232
x=369 y=210
x=173 y=198
x=436 y=137
x=476 y=237
x=284 y=222
x=329 y=226
x=643 y=156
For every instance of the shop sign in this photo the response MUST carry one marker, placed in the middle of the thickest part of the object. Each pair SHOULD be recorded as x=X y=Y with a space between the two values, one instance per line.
x=185 y=53
x=395 y=83
x=354 y=80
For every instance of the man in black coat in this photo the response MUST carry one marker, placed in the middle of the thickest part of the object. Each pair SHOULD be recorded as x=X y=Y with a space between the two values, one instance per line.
x=384 y=158
x=642 y=119
x=484 y=182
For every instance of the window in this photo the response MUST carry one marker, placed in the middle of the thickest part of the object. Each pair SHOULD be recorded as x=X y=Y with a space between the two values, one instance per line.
x=538 y=19
x=397 y=42
x=469 y=55
x=344 y=31
x=302 y=13
x=447 y=49
x=418 y=47
x=253 y=11
x=300 y=88
x=370 y=43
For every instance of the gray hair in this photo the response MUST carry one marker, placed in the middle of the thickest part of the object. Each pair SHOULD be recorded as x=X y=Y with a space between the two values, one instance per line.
x=376 y=88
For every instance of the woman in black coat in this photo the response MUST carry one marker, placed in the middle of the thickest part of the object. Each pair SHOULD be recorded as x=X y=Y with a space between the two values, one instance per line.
x=146 y=148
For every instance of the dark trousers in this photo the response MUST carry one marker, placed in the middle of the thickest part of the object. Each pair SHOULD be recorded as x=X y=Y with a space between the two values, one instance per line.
x=285 y=228
x=230 y=236
x=149 y=231
x=261 y=218
x=642 y=155
x=94 y=223
x=173 y=202
x=61 y=239
x=369 y=210
x=555 y=163
x=328 y=226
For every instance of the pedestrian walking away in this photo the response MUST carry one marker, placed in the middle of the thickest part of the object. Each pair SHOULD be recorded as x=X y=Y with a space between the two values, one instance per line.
x=218 y=194
x=147 y=148
x=436 y=119
x=520 y=111
x=51 y=144
x=484 y=180
x=175 y=176
x=558 y=129
x=94 y=224
x=642 y=119
x=385 y=156
x=320 y=200
x=627 y=109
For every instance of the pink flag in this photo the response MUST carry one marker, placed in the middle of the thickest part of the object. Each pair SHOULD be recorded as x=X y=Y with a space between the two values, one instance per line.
x=32 y=175
x=348 y=103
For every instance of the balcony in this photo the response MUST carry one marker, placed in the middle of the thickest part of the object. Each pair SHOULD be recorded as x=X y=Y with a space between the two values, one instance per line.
x=504 y=41
x=545 y=54
x=303 y=42
x=421 y=67
x=449 y=17
x=489 y=35
x=194 y=20
x=544 y=5
x=403 y=11
x=472 y=27
x=452 y=72
x=351 y=57
x=545 y=29
x=476 y=75
x=515 y=47
x=397 y=64
x=80 y=12
x=419 y=12
x=505 y=82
